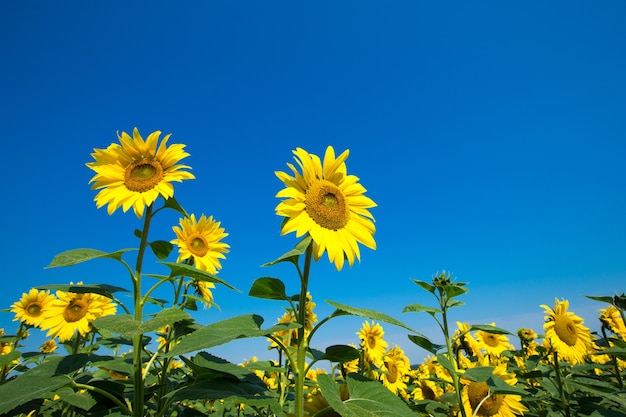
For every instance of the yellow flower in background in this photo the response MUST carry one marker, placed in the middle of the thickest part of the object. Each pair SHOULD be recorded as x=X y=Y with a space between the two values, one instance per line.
x=135 y=173
x=566 y=334
x=612 y=320
x=493 y=344
x=394 y=370
x=203 y=289
x=201 y=242
x=372 y=342
x=329 y=205
x=30 y=308
x=464 y=339
x=48 y=346
x=478 y=401
x=74 y=312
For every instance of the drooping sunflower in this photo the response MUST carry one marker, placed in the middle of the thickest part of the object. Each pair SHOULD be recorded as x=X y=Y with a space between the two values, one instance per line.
x=494 y=405
x=612 y=320
x=135 y=172
x=203 y=289
x=464 y=340
x=201 y=241
x=328 y=204
x=73 y=312
x=394 y=370
x=493 y=344
x=372 y=342
x=566 y=333
x=30 y=308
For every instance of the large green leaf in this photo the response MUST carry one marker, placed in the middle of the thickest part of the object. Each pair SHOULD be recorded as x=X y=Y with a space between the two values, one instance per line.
x=344 y=310
x=83 y=400
x=419 y=308
x=478 y=373
x=125 y=325
x=216 y=334
x=489 y=329
x=268 y=288
x=292 y=255
x=37 y=382
x=367 y=399
x=9 y=357
x=161 y=248
x=76 y=256
x=425 y=285
x=206 y=366
x=185 y=270
x=340 y=353
x=102 y=289
x=425 y=343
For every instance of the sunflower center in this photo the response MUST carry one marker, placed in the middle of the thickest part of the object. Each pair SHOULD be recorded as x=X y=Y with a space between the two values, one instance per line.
x=197 y=245
x=326 y=205
x=428 y=393
x=476 y=392
x=490 y=339
x=565 y=329
x=75 y=310
x=392 y=370
x=143 y=175
x=34 y=310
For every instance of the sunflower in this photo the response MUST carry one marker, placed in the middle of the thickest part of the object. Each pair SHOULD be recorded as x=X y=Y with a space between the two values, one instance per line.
x=479 y=401
x=566 y=334
x=394 y=370
x=327 y=204
x=135 y=173
x=203 y=289
x=30 y=308
x=372 y=342
x=48 y=346
x=200 y=241
x=612 y=320
x=74 y=312
x=493 y=344
x=317 y=405
x=464 y=340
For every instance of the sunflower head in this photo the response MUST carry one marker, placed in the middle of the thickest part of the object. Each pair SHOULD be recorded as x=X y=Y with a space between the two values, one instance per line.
x=31 y=307
x=135 y=172
x=326 y=203
x=372 y=342
x=201 y=241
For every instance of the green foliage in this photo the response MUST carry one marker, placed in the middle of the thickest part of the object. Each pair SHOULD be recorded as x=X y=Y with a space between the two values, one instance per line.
x=76 y=256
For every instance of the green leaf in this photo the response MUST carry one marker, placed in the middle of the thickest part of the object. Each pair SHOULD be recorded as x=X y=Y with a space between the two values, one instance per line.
x=38 y=382
x=171 y=203
x=425 y=343
x=76 y=256
x=425 y=285
x=453 y=290
x=268 y=288
x=419 y=308
x=479 y=373
x=7 y=358
x=125 y=325
x=292 y=255
x=83 y=401
x=499 y=386
x=602 y=299
x=488 y=329
x=446 y=363
x=340 y=353
x=207 y=366
x=161 y=248
x=216 y=334
x=237 y=392
x=193 y=272
x=102 y=289
x=344 y=310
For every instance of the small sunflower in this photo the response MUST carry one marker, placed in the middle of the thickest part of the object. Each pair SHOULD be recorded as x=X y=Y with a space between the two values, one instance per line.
x=48 y=346
x=200 y=241
x=135 y=173
x=394 y=370
x=30 y=308
x=327 y=204
x=612 y=320
x=74 y=312
x=464 y=340
x=203 y=289
x=493 y=344
x=372 y=342
x=566 y=334
x=479 y=401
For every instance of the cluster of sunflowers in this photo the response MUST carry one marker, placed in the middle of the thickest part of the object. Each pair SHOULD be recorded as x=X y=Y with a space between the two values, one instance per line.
x=476 y=372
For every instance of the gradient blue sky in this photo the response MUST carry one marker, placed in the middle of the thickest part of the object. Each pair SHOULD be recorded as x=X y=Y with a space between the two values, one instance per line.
x=492 y=135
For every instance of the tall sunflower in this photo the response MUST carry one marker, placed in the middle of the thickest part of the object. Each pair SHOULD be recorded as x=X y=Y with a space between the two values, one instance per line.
x=566 y=333
x=394 y=370
x=74 y=312
x=328 y=204
x=30 y=308
x=479 y=401
x=135 y=173
x=201 y=242
x=372 y=342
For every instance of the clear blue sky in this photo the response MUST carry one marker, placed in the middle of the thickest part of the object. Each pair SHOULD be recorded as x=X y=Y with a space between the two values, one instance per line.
x=492 y=135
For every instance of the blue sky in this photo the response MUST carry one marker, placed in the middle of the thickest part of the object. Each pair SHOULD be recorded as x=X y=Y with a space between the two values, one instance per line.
x=492 y=136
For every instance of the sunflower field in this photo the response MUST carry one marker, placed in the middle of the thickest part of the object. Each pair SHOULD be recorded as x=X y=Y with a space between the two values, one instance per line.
x=104 y=357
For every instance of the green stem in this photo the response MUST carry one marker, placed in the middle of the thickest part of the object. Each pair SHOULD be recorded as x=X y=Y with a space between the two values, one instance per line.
x=557 y=371
x=299 y=369
x=446 y=333
x=138 y=401
x=104 y=393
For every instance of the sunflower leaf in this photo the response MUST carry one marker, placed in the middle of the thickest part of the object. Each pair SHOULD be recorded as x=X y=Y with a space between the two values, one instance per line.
x=344 y=310
x=125 y=325
x=76 y=256
x=292 y=255
x=419 y=308
x=425 y=343
x=602 y=299
x=488 y=329
x=7 y=358
x=268 y=288
x=161 y=248
x=340 y=353
x=171 y=203
x=425 y=285
x=479 y=373
x=446 y=363
x=499 y=386
x=184 y=270
x=102 y=289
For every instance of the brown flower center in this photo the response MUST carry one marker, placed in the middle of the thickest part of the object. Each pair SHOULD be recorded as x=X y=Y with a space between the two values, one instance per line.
x=371 y=342
x=565 y=329
x=427 y=392
x=75 y=310
x=476 y=392
x=143 y=175
x=326 y=205
x=392 y=372
x=34 y=310
x=490 y=339
x=197 y=245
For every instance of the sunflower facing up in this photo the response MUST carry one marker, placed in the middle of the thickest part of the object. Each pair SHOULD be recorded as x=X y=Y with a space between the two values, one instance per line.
x=74 y=312
x=372 y=342
x=30 y=308
x=200 y=241
x=329 y=205
x=135 y=172
x=566 y=334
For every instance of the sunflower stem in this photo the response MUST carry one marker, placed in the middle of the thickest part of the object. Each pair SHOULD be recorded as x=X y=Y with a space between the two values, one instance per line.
x=138 y=401
x=299 y=369
x=559 y=382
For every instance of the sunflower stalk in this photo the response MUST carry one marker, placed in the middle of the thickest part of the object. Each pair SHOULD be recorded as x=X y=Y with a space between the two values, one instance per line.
x=299 y=369
x=560 y=386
